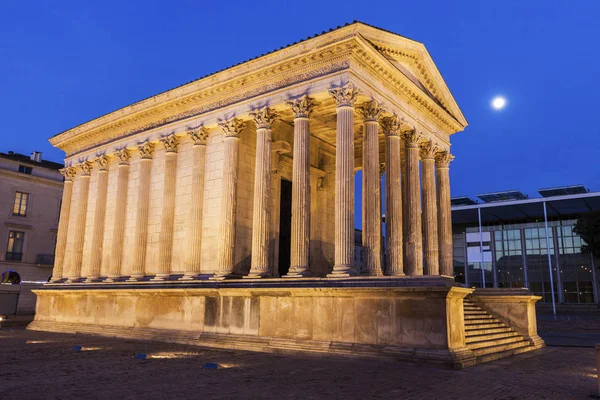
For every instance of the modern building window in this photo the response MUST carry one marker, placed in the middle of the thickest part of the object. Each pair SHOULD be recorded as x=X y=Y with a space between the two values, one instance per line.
x=537 y=262
x=575 y=267
x=14 y=251
x=509 y=259
x=20 y=205
x=25 y=170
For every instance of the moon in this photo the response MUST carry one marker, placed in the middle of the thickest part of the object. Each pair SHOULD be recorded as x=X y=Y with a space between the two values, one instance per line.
x=498 y=103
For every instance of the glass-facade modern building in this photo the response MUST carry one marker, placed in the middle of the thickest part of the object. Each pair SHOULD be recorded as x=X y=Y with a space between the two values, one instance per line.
x=511 y=241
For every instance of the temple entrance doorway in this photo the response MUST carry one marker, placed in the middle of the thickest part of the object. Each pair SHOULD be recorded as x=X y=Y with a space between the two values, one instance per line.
x=285 y=227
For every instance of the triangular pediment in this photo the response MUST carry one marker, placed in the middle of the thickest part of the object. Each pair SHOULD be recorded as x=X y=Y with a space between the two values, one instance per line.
x=412 y=59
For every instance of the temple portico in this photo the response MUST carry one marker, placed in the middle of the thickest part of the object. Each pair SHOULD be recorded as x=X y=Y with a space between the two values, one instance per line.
x=225 y=208
x=363 y=127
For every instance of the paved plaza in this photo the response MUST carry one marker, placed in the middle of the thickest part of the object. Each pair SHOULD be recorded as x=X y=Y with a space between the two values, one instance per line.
x=43 y=365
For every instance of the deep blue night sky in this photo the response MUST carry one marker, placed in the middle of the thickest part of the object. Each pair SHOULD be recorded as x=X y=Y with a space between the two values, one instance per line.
x=64 y=63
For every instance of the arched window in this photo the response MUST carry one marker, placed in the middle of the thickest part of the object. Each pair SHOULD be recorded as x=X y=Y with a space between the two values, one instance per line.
x=10 y=277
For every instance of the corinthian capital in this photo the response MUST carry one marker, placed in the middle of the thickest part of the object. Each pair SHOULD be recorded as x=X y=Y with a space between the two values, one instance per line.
x=429 y=150
x=264 y=118
x=68 y=173
x=391 y=125
x=170 y=142
x=199 y=135
x=412 y=138
x=102 y=162
x=344 y=96
x=302 y=107
x=123 y=155
x=86 y=168
x=146 y=150
x=232 y=127
x=443 y=159
x=371 y=111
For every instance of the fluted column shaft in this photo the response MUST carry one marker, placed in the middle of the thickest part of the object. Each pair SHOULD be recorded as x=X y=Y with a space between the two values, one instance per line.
x=80 y=219
x=393 y=197
x=444 y=213
x=231 y=144
x=344 y=193
x=141 y=219
x=116 y=256
x=63 y=225
x=165 y=244
x=99 y=216
x=430 y=220
x=261 y=219
x=194 y=251
x=371 y=196
x=414 y=243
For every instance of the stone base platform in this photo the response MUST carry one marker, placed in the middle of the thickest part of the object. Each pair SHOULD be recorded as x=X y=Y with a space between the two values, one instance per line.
x=413 y=319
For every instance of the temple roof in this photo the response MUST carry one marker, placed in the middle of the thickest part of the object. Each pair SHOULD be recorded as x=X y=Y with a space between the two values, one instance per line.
x=406 y=56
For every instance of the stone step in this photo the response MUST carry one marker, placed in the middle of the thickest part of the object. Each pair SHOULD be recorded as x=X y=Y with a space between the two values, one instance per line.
x=471 y=319
x=488 y=325
x=474 y=308
x=470 y=337
x=502 y=354
x=500 y=347
x=488 y=343
x=476 y=312
x=489 y=331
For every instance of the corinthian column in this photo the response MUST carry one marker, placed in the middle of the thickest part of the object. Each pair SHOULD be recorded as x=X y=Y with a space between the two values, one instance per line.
x=393 y=196
x=231 y=143
x=300 y=240
x=442 y=163
x=165 y=243
x=63 y=224
x=80 y=217
x=99 y=214
x=262 y=194
x=371 y=189
x=431 y=264
x=194 y=250
x=116 y=255
x=141 y=219
x=414 y=240
x=344 y=181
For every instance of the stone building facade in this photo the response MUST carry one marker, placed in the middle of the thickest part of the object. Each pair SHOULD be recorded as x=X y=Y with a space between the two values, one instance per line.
x=30 y=197
x=222 y=212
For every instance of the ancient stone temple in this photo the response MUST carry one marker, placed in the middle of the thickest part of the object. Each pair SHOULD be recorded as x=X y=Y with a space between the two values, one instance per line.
x=221 y=212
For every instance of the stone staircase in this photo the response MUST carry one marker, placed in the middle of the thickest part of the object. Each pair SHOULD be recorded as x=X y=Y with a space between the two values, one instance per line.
x=490 y=338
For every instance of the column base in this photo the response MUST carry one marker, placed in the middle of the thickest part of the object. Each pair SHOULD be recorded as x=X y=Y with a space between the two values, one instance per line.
x=342 y=271
x=257 y=275
x=161 y=277
x=91 y=279
x=371 y=272
x=113 y=278
x=297 y=273
x=190 y=277
x=57 y=280
x=395 y=272
x=223 y=276
x=78 y=279
x=136 y=278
